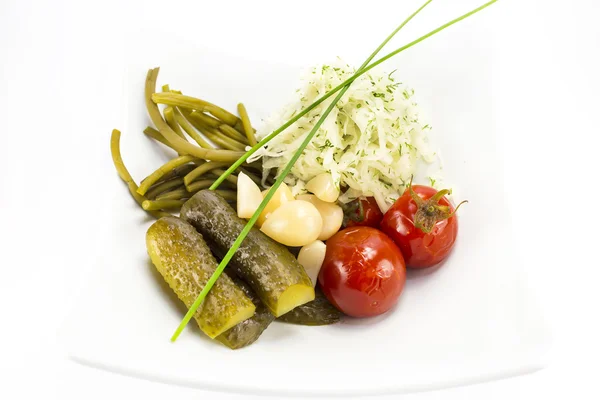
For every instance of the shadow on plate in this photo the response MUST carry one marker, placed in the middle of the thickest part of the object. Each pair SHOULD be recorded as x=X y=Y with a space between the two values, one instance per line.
x=367 y=322
x=415 y=274
x=414 y=277
x=278 y=331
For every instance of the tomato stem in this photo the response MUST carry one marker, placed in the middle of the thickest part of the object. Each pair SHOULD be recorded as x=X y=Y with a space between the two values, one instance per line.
x=353 y=211
x=430 y=212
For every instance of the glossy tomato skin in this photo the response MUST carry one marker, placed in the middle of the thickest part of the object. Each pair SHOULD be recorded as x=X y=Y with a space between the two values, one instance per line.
x=420 y=250
x=363 y=273
x=372 y=215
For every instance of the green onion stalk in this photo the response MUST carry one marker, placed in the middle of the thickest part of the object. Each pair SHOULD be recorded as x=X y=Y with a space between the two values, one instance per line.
x=342 y=88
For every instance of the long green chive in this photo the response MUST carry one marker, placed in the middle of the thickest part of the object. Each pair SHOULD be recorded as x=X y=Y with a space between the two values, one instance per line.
x=343 y=87
x=358 y=73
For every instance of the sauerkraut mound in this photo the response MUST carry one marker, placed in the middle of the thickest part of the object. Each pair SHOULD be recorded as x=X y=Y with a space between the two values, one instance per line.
x=371 y=142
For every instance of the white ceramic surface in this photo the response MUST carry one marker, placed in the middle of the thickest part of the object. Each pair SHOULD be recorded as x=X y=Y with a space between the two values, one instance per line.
x=468 y=321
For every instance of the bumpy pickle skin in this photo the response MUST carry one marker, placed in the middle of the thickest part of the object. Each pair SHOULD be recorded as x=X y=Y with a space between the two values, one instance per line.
x=267 y=266
x=247 y=332
x=184 y=260
x=315 y=313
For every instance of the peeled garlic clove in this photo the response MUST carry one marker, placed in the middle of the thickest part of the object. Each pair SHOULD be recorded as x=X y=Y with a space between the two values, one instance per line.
x=294 y=223
x=283 y=194
x=331 y=213
x=311 y=258
x=249 y=196
x=323 y=187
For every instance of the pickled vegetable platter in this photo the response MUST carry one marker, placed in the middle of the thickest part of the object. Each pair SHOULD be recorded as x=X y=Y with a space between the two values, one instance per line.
x=310 y=217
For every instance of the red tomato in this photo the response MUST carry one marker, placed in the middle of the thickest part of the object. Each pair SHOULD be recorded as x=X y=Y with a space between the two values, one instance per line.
x=363 y=272
x=370 y=215
x=422 y=223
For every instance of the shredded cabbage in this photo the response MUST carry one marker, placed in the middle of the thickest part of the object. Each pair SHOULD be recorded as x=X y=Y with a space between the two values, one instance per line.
x=370 y=143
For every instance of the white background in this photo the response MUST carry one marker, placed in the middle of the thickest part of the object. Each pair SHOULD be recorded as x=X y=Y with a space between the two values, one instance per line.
x=60 y=82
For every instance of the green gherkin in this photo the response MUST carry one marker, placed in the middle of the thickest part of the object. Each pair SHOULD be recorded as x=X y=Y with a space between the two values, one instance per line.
x=267 y=266
x=181 y=256
x=317 y=312
x=247 y=332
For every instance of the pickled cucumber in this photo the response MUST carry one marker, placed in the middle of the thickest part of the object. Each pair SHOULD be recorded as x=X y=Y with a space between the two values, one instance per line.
x=317 y=312
x=184 y=260
x=246 y=332
x=267 y=266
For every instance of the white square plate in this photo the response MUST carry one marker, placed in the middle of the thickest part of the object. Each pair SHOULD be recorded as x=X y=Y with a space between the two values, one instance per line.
x=468 y=321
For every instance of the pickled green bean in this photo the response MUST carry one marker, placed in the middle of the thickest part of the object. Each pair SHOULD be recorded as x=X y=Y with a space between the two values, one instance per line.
x=223 y=141
x=115 y=150
x=179 y=172
x=233 y=134
x=216 y=135
x=218 y=171
x=195 y=186
x=191 y=130
x=164 y=187
x=180 y=100
x=177 y=194
x=198 y=185
x=151 y=205
x=156 y=135
x=205 y=119
x=201 y=170
x=246 y=124
x=195 y=121
x=240 y=127
x=180 y=145
x=210 y=133
x=163 y=169
x=169 y=115
x=222 y=114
